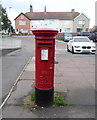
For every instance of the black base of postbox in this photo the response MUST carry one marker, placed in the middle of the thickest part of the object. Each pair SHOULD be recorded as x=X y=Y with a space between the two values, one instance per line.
x=44 y=98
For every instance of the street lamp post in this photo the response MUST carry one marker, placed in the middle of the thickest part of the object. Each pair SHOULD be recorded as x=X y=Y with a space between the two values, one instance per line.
x=10 y=25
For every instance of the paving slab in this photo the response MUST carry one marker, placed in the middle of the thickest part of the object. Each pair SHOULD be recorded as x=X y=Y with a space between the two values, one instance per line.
x=22 y=89
x=30 y=67
x=28 y=75
x=17 y=112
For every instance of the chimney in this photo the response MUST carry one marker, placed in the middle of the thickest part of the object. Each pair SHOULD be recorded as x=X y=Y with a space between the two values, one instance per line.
x=31 y=8
x=72 y=10
x=45 y=9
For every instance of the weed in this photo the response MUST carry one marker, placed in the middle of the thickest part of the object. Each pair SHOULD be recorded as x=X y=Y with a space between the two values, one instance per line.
x=33 y=97
x=20 y=79
x=59 y=100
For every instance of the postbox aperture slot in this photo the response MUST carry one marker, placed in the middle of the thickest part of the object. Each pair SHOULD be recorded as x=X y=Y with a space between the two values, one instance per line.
x=44 y=43
x=44 y=54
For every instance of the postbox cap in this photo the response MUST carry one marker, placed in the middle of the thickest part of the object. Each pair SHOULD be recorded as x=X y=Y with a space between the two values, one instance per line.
x=45 y=33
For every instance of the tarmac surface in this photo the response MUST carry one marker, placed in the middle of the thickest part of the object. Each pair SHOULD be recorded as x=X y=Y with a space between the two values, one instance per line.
x=15 y=55
x=74 y=76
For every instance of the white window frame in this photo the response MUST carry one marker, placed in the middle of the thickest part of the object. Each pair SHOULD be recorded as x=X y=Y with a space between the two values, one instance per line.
x=67 y=29
x=22 y=22
x=81 y=22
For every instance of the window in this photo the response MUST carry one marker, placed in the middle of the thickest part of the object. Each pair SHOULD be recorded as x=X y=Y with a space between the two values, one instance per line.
x=22 y=22
x=22 y=17
x=24 y=30
x=67 y=30
x=82 y=22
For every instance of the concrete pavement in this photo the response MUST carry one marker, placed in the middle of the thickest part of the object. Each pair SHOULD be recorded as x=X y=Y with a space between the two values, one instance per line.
x=74 y=76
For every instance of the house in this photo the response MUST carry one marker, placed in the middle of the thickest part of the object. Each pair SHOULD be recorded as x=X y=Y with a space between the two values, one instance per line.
x=61 y=21
x=94 y=29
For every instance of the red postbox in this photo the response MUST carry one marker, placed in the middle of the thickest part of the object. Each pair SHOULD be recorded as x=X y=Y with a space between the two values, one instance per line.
x=44 y=65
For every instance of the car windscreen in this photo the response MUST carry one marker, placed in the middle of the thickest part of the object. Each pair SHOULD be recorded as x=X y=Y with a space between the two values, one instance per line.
x=81 y=40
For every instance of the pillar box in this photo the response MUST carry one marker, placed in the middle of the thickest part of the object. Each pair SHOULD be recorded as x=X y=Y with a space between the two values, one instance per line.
x=44 y=65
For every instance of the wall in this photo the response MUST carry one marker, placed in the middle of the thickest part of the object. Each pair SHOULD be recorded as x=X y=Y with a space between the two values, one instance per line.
x=82 y=17
x=60 y=25
x=64 y=24
x=47 y=23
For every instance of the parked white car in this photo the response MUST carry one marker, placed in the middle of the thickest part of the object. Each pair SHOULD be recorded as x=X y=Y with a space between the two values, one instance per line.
x=81 y=44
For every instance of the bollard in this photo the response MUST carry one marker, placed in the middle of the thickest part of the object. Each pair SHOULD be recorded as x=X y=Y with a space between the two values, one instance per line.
x=44 y=66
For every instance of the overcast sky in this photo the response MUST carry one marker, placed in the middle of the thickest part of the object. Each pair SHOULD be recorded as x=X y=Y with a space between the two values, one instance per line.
x=15 y=7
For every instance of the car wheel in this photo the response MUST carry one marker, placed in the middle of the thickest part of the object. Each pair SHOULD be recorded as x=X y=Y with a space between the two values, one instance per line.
x=68 y=49
x=72 y=50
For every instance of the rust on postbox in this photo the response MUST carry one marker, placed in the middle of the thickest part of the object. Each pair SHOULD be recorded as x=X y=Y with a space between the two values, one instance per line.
x=44 y=65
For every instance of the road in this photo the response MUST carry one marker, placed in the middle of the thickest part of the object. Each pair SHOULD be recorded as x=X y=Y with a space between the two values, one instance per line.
x=14 y=62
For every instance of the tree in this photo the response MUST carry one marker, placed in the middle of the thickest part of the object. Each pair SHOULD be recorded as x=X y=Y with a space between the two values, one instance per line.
x=6 y=23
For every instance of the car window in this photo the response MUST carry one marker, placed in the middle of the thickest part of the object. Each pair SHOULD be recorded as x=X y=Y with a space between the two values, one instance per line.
x=81 y=40
x=85 y=33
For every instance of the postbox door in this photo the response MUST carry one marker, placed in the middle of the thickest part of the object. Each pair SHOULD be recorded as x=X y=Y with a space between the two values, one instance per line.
x=45 y=67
